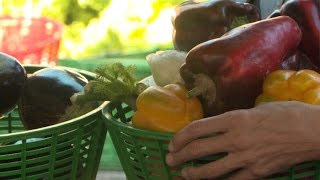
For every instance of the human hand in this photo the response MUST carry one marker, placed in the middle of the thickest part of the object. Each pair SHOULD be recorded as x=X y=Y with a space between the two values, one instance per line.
x=259 y=141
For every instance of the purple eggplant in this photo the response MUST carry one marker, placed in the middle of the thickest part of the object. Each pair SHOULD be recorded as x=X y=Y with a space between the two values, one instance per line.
x=47 y=95
x=12 y=79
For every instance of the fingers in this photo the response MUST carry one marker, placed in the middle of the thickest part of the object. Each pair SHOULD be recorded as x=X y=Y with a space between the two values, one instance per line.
x=214 y=169
x=199 y=148
x=204 y=128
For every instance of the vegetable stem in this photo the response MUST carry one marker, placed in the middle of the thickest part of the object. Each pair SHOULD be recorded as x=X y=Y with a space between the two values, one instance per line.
x=203 y=86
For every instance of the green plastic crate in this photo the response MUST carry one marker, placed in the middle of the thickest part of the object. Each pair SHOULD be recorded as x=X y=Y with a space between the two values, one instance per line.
x=67 y=151
x=142 y=152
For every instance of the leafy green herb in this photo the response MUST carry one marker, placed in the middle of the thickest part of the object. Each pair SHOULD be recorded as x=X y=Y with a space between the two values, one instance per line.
x=114 y=82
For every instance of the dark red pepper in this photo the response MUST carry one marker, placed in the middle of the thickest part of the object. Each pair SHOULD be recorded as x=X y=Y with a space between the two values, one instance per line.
x=227 y=72
x=197 y=22
x=307 y=14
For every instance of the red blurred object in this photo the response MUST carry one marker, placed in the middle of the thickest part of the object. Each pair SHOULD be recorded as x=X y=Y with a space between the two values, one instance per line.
x=31 y=40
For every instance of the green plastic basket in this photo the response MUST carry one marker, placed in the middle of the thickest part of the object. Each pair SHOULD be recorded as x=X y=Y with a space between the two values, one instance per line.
x=142 y=152
x=69 y=150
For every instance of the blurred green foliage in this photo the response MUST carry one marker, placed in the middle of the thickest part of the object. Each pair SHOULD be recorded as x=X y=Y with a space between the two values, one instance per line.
x=104 y=27
x=69 y=11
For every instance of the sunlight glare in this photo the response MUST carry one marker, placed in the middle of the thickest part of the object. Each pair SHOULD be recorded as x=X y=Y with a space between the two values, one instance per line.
x=160 y=31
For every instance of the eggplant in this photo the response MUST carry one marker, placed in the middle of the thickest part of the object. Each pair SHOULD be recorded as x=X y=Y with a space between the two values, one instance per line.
x=13 y=76
x=46 y=96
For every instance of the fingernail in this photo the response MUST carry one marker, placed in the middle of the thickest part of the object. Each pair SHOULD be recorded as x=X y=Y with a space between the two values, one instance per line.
x=169 y=159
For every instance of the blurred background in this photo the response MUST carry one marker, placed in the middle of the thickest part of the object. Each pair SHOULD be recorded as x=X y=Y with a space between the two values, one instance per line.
x=45 y=31
x=99 y=28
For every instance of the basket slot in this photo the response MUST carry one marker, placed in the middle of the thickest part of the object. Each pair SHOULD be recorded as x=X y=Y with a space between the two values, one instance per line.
x=44 y=168
x=86 y=140
x=12 y=177
x=38 y=160
x=62 y=154
x=154 y=160
x=122 y=112
x=10 y=156
x=150 y=143
x=64 y=162
x=149 y=152
x=38 y=176
x=9 y=165
x=38 y=152
x=90 y=126
x=128 y=146
x=126 y=137
x=10 y=173
x=63 y=172
x=138 y=173
x=66 y=143
x=132 y=154
x=8 y=149
x=155 y=168
x=85 y=146
x=306 y=165
x=87 y=134
x=308 y=169
x=84 y=150
x=135 y=163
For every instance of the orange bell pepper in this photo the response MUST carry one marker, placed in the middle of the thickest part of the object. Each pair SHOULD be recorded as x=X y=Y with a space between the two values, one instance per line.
x=286 y=85
x=166 y=109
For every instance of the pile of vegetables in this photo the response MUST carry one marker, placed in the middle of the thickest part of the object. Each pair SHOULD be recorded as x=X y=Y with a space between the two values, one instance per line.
x=225 y=58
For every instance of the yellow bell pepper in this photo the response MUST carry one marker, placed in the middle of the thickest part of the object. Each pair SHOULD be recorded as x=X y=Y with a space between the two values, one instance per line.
x=286 y=85
x=166 y=109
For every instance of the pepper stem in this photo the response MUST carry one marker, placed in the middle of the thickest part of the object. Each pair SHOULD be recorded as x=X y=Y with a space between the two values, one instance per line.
x=204 y=86
x=196 y=91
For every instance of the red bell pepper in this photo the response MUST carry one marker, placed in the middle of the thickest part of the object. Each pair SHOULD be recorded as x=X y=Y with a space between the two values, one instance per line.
x=197 y=22
x=307 y=14
x=227 y=72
